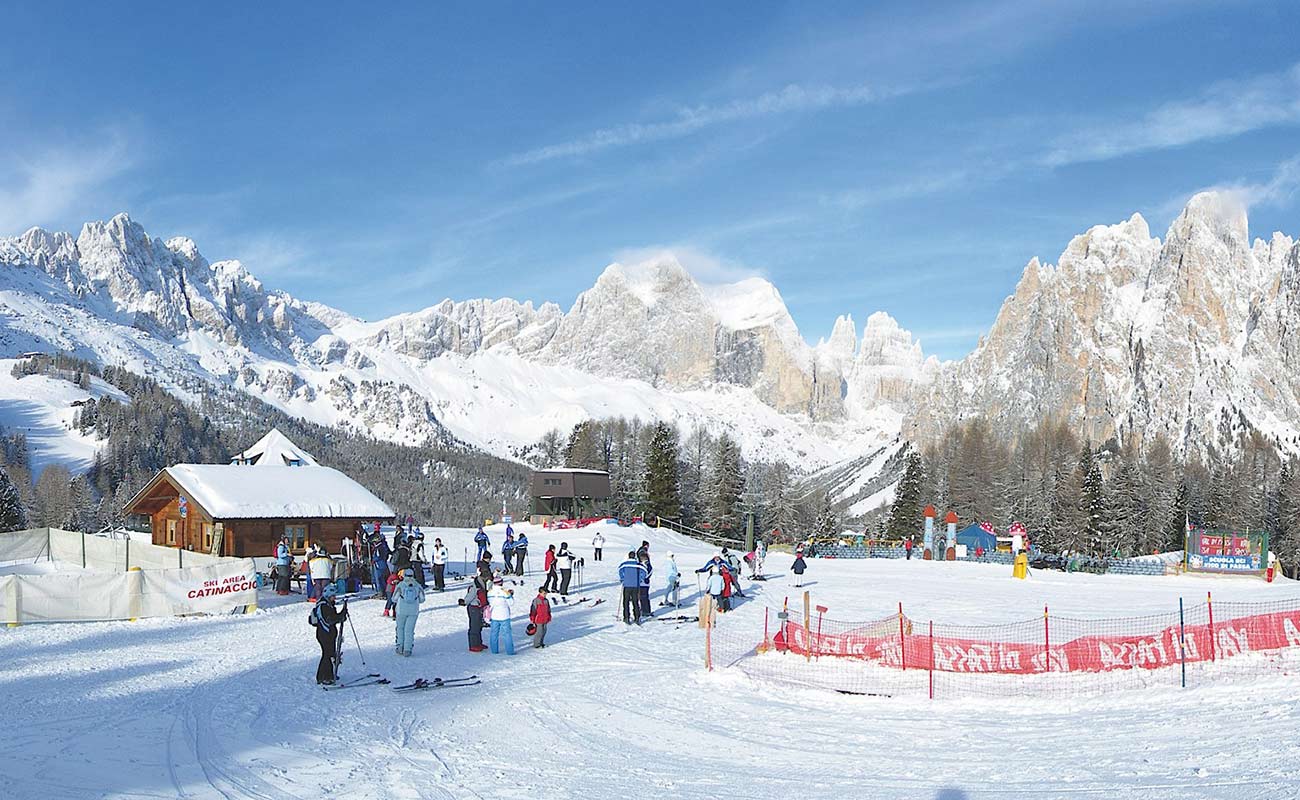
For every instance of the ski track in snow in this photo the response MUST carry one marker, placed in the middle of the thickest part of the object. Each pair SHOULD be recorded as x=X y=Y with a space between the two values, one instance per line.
x=227 y=707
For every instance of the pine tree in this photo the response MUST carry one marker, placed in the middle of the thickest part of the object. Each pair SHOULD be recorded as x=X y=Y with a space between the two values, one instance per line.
x=13 y=517
x=780 y=519
x=905 y=513
x=585 y=449
x=827 y=521
x=662 y=484
x=1125 y=512
x=728 y=485
x=1092 y=503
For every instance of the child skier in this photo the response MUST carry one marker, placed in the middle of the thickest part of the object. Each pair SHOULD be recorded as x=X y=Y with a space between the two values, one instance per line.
x=798 y=568
x=475 y=601
x=716 y=584
x=500 y=599
x=539 y=614
x=394 y=578
x=408 y=596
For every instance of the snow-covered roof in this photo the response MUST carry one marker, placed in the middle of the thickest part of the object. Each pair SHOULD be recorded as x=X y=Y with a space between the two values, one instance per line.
x=566 y=470
x=228 y=491
x=275 y=450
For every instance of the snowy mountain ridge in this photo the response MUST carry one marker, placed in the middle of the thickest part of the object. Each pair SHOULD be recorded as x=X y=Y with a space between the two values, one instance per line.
x=1125 y=336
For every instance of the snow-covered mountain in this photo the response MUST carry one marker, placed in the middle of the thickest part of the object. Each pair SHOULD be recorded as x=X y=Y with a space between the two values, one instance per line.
x=646 y=340
x=1127 y=336
x=1193 y=337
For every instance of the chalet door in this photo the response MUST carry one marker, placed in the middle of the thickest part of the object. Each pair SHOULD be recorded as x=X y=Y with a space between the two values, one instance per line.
x=171 y=532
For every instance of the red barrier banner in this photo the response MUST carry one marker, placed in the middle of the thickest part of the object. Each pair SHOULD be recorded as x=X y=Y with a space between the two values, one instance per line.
x=1089 y=653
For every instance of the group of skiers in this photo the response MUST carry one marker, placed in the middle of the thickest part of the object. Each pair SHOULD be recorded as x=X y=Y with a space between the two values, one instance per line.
x=397 y=570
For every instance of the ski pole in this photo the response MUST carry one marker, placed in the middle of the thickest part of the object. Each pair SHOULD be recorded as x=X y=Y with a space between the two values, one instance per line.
x=356 y=639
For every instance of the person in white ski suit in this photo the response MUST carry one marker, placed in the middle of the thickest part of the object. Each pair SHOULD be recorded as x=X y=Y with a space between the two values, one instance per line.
x=672 y=592
x=500 y=599
x=408 y=596
x=440 y=556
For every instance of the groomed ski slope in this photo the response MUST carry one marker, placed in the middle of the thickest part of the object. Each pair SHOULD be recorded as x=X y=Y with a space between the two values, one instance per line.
x=227 y=707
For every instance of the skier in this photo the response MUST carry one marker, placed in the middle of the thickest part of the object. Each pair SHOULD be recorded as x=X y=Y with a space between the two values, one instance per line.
x=322 y=568
x=415 y=540
x=643 y=591
x=564 y=564
x=328 y=621
x=728 y=589
x=283 y=566
x=390 y=586
x=500 y=599
x=760 y=556
x=643 y=550
x=799 y=566
x=475 y=601
x=629 y=575
x=439 y=566
x=401 y=557
x=715 y=586
x=907 y=548
x=671 y=591
x=481 y=539
x=733 y=568
x=508 y=550
x=379 y=555
x=598 y=544
x=552 y=582
x=409 y=594
x=539 y=614
x=521 y=552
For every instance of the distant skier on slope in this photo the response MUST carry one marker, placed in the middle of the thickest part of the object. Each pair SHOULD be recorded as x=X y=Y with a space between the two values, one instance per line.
x=508 y=550
x=481 y=539
x=598 y=545
x=327 y=620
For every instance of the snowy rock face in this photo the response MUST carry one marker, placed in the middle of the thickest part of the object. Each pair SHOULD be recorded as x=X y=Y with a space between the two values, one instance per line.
x=1129 y=337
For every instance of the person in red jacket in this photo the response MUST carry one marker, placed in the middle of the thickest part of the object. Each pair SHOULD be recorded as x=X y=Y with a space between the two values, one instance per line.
x=727 y=591
x=539 y=614
x=552 y=574
x=393 y=579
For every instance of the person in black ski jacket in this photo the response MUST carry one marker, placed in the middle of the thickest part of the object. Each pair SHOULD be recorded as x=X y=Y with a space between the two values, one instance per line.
x=402 y=556
x=521 y=553
x=328 y=621
x=475 y=599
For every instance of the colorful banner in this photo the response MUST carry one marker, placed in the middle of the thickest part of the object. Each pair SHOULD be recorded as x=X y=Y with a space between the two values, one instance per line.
x=1095 y=653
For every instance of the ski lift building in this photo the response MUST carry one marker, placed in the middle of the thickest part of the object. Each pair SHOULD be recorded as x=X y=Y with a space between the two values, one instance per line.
x=568 y=493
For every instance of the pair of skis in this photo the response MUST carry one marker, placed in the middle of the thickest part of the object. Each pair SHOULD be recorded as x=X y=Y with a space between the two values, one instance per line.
x=437 y=683
x=679 y=619
x=373 y=679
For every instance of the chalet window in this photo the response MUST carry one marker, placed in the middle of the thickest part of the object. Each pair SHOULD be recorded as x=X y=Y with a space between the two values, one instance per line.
x=550 y=481
x=297 y=536
x=171 y=531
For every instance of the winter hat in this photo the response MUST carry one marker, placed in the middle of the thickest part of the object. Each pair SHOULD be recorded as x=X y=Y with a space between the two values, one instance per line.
x=498 y=580
x=330 y=590
x=670 y=554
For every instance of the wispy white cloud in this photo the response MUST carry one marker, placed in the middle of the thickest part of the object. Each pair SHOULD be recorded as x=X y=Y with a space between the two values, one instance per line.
x=44 y=186
x=1277 y=190
x=704 y=266
x=1222 y=110
x=793 y=98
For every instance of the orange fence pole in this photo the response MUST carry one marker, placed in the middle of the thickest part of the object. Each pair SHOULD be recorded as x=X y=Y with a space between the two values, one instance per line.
x=902 y=646
x=1214 y=644
x=1047 y=644
x=931 y=659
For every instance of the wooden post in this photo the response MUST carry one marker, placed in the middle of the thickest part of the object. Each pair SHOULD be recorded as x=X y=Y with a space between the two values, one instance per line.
x=1047 y=644
x=708 y=636
x=807 y=627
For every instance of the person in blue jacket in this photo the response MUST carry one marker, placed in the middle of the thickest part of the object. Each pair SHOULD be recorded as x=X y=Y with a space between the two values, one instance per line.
x=643 y=597
x=379 y=554
x=481 y=539
x=630 y=574
x=508 y=550
x=521 y=553
x=409 y=594
x=283 y=566
x=716 y=562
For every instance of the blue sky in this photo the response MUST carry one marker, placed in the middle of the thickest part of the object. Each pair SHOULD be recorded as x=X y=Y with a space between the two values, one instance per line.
x=906 y=157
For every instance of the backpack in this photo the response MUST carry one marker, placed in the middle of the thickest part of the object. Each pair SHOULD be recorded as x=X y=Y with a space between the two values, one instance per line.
x=313 y=618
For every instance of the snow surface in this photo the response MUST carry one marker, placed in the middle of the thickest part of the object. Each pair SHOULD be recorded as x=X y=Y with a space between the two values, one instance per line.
x=41 y=407
x=226 y=706
x=228 y=491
